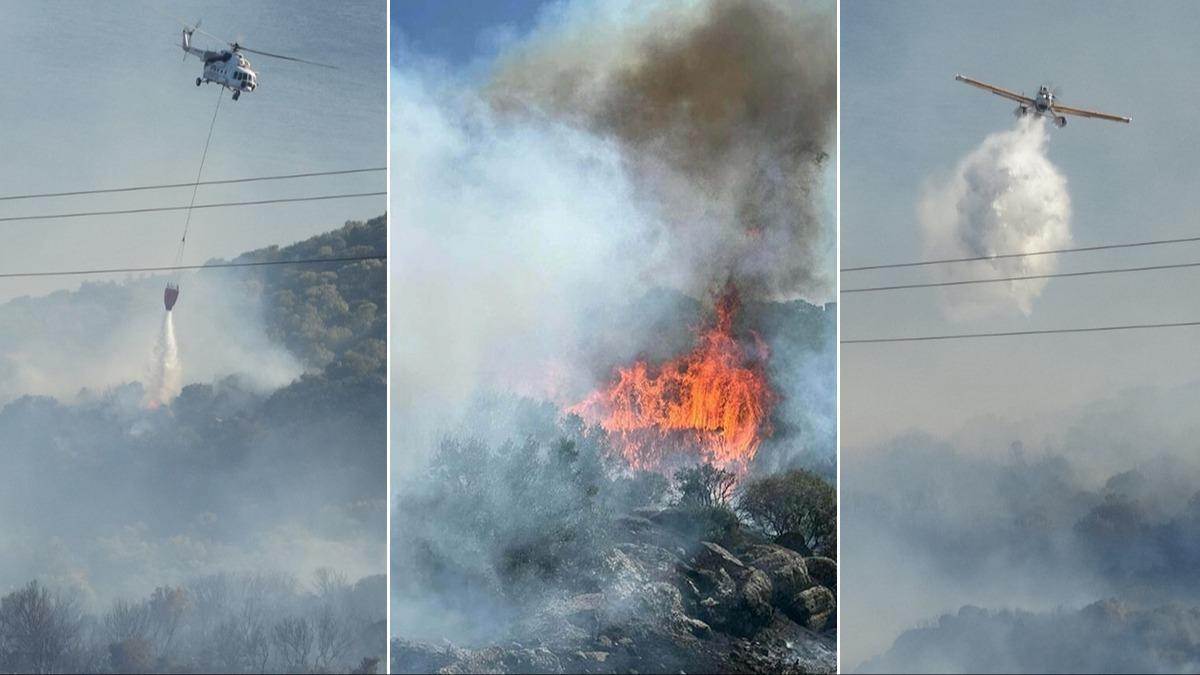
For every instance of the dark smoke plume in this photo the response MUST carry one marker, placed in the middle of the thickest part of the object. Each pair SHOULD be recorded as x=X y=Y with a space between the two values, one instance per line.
x=724 y=113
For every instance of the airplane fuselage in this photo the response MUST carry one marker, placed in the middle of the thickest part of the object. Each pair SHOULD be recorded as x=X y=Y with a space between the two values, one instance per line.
x=1043 y=106
x=1044 y=101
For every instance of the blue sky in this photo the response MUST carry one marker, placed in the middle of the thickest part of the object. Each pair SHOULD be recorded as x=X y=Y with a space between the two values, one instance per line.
x=105 y=99
x=905 y=121
x=458 y=32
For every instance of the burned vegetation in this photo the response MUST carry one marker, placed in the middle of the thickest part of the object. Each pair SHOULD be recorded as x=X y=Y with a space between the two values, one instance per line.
x=553 y=555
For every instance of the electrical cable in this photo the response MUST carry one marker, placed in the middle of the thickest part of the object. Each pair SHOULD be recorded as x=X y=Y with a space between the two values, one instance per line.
x=168 y=268
x=968 y=336
x=85 y=214
x=1001 y=256
x=1056 y=275
x=165 y=186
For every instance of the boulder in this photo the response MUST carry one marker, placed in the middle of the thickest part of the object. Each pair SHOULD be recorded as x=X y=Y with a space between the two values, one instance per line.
x=713 y=557
x=677 y=520
x=795 y=541
x=786 y=569
x=738 y=608
x=813 y=607
x=596 y=656
x=753 y=609
x=822 y=622
x=696 y=627
x=823 y=571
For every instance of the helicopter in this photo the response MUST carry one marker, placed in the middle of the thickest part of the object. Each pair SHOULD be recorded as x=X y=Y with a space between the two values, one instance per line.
x=229 y=67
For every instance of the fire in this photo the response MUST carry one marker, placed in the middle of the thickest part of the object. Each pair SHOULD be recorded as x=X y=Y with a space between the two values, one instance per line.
x=711 y=404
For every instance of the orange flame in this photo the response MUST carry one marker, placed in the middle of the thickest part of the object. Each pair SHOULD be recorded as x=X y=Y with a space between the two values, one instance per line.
x=711 y=404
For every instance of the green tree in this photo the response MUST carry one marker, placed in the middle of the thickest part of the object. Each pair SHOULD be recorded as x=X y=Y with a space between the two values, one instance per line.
x=797 y=501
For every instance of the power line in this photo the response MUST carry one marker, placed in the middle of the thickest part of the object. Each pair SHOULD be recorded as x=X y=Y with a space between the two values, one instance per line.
x=1001 y=256
x=968 y=336
x=164 y=186
x=83 y=214
x=1056 y=275
x=168 y=268
x=1049 y=252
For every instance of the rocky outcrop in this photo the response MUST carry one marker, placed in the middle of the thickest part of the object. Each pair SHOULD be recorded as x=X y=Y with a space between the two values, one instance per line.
x=786 y=568
x=666 y=607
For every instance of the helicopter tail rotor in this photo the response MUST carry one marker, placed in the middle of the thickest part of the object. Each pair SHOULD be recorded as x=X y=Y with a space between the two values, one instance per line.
x=187 y=36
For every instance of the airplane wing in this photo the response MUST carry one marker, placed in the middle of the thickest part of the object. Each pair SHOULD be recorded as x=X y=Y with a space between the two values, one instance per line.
x=999 y=91
x=1080 y=112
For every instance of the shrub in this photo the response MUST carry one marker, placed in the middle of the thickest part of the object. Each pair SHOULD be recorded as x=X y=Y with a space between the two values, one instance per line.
x=704 y=486
x=796 y=501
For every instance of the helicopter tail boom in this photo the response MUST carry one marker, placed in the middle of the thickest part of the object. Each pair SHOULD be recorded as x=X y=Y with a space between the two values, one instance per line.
x=187 y=43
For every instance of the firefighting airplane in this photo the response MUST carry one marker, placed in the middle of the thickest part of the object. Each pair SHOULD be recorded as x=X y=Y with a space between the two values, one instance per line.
x=1043 y=104
x=228 y=67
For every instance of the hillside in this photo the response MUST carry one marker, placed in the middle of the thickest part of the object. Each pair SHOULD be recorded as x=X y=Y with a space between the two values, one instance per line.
x=526 y=544
x=237 y=482
x=1108 y=636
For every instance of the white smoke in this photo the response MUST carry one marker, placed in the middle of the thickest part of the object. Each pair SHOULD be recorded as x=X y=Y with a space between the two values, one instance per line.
x=166 y=380
x=673 y=145
x=1004 y=197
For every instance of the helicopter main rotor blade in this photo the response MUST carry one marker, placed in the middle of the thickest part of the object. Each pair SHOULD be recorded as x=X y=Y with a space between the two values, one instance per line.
x=196 y=28
x=193 y=27
x=238 y=47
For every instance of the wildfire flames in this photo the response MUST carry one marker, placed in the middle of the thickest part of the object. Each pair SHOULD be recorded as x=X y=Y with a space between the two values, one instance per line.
x=711 y=404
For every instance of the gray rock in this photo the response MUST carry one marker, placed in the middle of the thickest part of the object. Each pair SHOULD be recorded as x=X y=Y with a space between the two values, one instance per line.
x=713 y=557
x=753 y=609
x=796 y=542
x=822 y=621
x=698 y=628
x=809 y=605
x=786 y=569
x=597 y=656
x=823 y=571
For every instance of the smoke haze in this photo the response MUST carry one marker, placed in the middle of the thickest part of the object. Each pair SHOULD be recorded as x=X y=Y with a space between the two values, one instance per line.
x=1035 y=521
x=266 y=460
x=107 y=333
